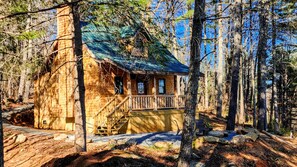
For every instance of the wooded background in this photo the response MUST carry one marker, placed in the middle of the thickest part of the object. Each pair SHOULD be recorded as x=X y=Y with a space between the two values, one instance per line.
x=247 y=49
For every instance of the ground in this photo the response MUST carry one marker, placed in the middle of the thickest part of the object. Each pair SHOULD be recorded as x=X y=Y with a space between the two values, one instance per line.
x=41 y=149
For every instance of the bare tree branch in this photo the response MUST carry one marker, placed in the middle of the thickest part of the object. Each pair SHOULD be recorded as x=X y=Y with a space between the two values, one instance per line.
x=53 y=7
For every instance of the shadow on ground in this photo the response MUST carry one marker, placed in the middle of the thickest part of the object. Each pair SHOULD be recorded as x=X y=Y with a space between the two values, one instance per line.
x=105 y=158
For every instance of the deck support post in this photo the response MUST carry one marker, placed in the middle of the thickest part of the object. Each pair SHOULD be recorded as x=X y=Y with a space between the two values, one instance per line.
x=108 y=128
x=129 y=91
x=155 y=94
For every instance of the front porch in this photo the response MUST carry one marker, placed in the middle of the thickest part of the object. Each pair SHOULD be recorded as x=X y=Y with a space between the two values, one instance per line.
x=137 y=93
x=153 y=92
x=113 y=115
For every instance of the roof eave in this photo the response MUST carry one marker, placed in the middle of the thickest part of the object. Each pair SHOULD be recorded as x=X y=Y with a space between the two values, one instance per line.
x=158 y=72
x=142 y=71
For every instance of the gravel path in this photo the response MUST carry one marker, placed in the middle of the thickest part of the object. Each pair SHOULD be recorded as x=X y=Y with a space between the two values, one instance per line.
x=144 y=139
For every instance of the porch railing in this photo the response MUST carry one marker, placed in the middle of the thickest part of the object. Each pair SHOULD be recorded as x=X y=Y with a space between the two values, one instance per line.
x=100 y=118
x=120 y=111
x=166 y=101
x=140 y=102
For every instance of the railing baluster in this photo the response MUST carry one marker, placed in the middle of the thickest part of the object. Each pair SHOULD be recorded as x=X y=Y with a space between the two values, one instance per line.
x=140 y=102
x=100 y=118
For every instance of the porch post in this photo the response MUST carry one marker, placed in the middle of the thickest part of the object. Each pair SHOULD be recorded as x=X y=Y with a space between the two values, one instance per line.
x=155 y=94
x=178 y=84
x=177 y=92
x=129 y=91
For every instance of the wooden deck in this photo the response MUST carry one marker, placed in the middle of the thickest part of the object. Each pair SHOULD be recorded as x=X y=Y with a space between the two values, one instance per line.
x=113 y=116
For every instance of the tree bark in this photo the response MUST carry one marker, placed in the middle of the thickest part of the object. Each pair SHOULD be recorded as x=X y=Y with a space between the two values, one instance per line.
x=1 y=127
x=236 y=13
x=220 y=62
x=241 y=119
x=9 y=85
x=281 y=90
x=274 y=106
x=28 y=71
x=229 y=59
x=262 y=69
x=175 y=53
x=285 y=113
x=206 y=95
x=252 y=67
x=215 y=62
x=24 y=74
x=80 y=114
x=254 y=72
x=192 y=89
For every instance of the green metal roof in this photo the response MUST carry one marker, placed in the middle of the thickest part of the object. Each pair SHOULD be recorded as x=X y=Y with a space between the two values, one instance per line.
x=103 y=43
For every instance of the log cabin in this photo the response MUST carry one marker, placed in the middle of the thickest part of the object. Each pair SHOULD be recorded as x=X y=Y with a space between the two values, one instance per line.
x=130 y=81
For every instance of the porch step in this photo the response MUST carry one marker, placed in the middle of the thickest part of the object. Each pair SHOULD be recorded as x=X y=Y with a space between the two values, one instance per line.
x=102 y=130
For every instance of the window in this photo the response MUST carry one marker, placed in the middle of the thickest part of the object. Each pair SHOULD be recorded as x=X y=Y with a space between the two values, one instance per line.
x=139 y=48
x=162 y=87
x=119 y=86
x=139 y=44
x=140 y=88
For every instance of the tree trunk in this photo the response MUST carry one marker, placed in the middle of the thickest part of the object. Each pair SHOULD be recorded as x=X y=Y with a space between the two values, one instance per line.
x=285 y=95
x=206 y=96
x=251 y=64
x=26 y=47
x=254 y=93
x=236 y=13
x=192 y=89
x=274 y=107
x=262 y=69
x=215 y=63
x=23 y=72
x=80 y=114
x=28 y=71
x=175 y=53
x=241 y=119
x=220 y=62
x=281 y=89
x=229 y=59
x=1 y=127
x=9 y=85
x=167 y=25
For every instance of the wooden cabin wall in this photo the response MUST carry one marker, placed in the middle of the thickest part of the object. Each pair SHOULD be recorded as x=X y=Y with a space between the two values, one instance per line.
x=169 y=83
x=54 y=91
x=99 y=85
x=93 y=100
x=155 y=121
x=54 y=96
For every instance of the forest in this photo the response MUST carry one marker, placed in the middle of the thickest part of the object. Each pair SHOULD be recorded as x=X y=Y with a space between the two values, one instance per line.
x=242 y=76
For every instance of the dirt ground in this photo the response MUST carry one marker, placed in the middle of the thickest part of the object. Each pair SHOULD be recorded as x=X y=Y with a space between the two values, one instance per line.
x=43 y=150
x=265 y=152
